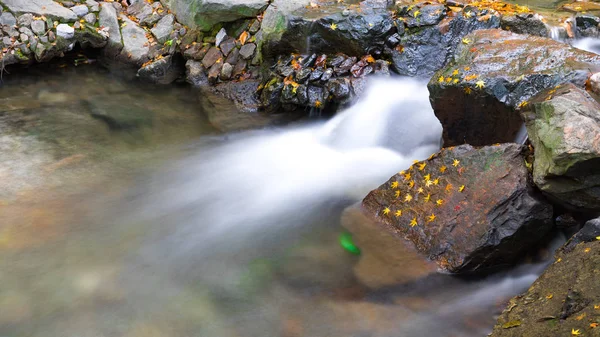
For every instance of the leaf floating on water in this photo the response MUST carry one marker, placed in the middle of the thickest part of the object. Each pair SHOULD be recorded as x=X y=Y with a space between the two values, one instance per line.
x=348 y=244
x=511 y=324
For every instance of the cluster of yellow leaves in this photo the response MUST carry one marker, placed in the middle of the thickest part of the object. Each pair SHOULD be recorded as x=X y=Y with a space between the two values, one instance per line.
x=500 y=7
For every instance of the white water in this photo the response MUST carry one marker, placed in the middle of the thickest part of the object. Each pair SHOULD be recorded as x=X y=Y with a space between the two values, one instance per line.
x=262 y=175
x=588 y=44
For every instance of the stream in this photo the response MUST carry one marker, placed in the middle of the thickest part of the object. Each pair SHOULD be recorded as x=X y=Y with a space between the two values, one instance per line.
x=123 y=212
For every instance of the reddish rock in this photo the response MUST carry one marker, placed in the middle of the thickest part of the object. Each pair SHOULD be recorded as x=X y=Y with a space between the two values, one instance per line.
x=212 y=56
x=513 y=68
x=478 y=211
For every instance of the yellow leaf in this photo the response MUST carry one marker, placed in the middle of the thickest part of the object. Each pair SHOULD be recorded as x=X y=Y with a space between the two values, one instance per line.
x=575 y=332
x=431 y=217
x=461 y=188
x=441 y=79
x=413 y=222
x=407 y=176
x=244 y=37
x=398 y=213
x=333 y=26
x=427 y=177
x=455 y=72
x=395 y=184
x=587 y=250
x=397 y=194
x=467 y=68
x=466 y=40
x=548 y=297
x=455 y=81
x=420 y=190
x=386 y=211
x=428 y=183
x=480 y=84
x=411 y=184
x=422 y=166
x=416 y=13
x=468 y=14
x=511 y=324
x=580 y=317
x=408 y=198
x=448 y=187
x=455 y=162
x=439 y=202
x=427 y=198
x=436 y=181
x=318 y=104
x=443 y=169
x=597 y=307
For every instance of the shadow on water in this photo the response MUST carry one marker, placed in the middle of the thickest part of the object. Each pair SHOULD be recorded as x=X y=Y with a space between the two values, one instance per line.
x=167 y=228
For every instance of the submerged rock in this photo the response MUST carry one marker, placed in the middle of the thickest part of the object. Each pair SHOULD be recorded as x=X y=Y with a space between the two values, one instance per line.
x=465 y=208
x=564 y=127
x=565 y=299
x=495 y=72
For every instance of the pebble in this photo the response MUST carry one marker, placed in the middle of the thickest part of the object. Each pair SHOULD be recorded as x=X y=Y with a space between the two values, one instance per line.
x=80 y=10
x=38 y=27
x=247 y=50
x=221 y=35
x=90 y=18
x=65 y=31
x=7 y=19
x=25 y=19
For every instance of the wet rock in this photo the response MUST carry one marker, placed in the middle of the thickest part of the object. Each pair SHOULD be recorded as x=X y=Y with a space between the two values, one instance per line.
x=316 y=74
x=566 y=221
x=271 y=95
x=564 y=128
x=206 y=13
x=290 y=26
x=345 y=66
x=525 y=24
x=164 y=71
x=212 y=56
x=65 y=31
x=46 y=8
x=427 y=49
x=317 y=96
x=80 y=10
x=227 y=45
x=510 y=69
x=587 y=25
x=303 y=75
x=140 y=10
x=339 y=89
x=563 y=299
x=233 y=56
x=163 y=28
x=226 y=71
x=247 y=51
x=481 y=213
x=327 y=74
x=220 y=37
x=196 y=73
x=7 y=19
x=589 y=233
x=239 y=68
x=88 y=37
x=428 y=15
x=108 y=19
x=197 y=51
x=135 y=43
x=214 y=71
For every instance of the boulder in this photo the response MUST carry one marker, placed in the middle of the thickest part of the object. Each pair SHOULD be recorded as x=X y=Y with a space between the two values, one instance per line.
x=466 y=208
x=493 y=73
x=427 y=46
x=196 y=73
x=564 y=128
x=294 y=26
x=65 y=31
x=163 y=71
x=46 y=8
x=527 y=23
x=163 y=28
x=563 y=301
x=203 y=14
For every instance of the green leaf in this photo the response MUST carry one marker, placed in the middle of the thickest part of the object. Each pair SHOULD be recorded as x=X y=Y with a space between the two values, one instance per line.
x=348 y=244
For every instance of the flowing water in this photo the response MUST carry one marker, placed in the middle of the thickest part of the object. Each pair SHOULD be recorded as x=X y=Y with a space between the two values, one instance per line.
x=113 y=224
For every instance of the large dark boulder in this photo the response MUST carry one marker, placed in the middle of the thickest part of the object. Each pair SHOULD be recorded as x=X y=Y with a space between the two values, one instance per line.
x=564 y=127
x=428 y=42
x=465 y=208
x=295 y=26
x=495 y=72
x=564 y=301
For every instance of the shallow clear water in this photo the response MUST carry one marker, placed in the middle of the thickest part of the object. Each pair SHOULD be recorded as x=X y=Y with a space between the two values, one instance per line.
x=164 y=227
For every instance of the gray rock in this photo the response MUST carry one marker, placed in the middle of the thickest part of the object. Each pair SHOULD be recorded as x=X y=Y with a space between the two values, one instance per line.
x=239 y=68
x=50 y=38
x=7 y=19
x=221 y=35
x=25 y=19
x=163 y=71
x=38 y=27
x=135 y=42
x=589 y=233
x=163 y=28
x=226 y=71
x=227 y=46
x=207 y=13
x=141 y=10
x=564 y=128
x=24 y=38
x=524 y=24
x=247 y=51
x=90 y=18
x=80 y=10
x=93 y=5
x=196 y=73
x=65 y=31
x=6 y=41
x=214 y=72
x=47 y=8
x=233 y=56
x=108 y=19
